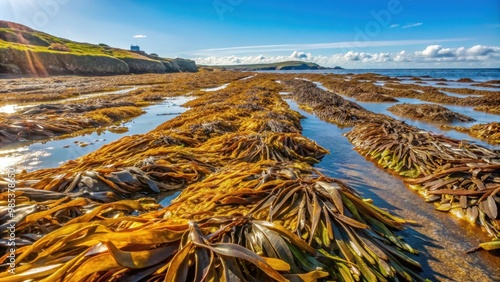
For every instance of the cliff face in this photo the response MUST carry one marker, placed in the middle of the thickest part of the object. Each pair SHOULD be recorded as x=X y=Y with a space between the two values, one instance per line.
x=14 y=61
x=179 y=65
x=25 y=51
x=144 y=66
x=186 y=65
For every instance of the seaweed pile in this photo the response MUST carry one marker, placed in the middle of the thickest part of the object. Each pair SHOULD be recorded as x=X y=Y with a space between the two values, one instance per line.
x=29 y=90
x=428 y=112
x=47 y=120
x=460 y=178
x=326 y=105
x=63 y=117
x=252 y=207
x=486 y=131
x=362 y=88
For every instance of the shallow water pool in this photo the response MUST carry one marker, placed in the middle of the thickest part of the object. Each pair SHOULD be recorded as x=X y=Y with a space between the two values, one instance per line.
x=480 y=117
x=35 y=155
x=441 y=238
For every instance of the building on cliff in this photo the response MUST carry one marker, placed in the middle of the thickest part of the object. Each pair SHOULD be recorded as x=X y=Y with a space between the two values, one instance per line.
x=135 y=48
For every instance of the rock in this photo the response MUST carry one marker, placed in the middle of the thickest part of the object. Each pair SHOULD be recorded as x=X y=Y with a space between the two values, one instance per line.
x=47 y=63
x=136 y=65
x=186 y=65
x=171 y=65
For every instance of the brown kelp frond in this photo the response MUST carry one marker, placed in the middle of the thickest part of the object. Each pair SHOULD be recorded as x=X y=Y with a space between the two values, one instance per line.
x=488 y=109
x=248 y=147
x=251 y=221
x=109 y=184
x=327 y=105
x=412 y=152
x=51 y=123
x=468 y=190
x=33 y=218
x=110 y=115
x=428 y=112
x=252 y=208
x=461 y=178
x=490 y=132
x=374 y=97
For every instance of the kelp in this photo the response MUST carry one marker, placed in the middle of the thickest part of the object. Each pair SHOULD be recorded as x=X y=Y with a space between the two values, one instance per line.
x=490 y=132
x=248 y=147
x=62 y=115
x=327 y=105
x=251 y=207
x=287 y=224
x=42 y=123
x=365 y=89
x=428 y=112
x=412 y=152
x=459 y=177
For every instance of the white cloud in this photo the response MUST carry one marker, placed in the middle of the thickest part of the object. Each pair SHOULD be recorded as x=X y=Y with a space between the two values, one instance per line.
x=394 y=25
x=480 y=50
x=300 y=55
x=139 y=36
x=432 y=55
x=413 y=25
x=316 y=46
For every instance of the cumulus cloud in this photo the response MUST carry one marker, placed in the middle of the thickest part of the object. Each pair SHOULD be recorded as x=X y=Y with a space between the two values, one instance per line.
x=140 y=36
x=478 y=56
x=300 y=55
x=413 y=25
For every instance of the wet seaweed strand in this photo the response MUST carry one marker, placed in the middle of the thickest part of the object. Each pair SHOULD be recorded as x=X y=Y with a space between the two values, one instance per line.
x=59 y=117
x=458 y=177
x=252 y=208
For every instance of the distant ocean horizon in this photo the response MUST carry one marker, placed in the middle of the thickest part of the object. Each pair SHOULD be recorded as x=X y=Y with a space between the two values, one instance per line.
x=480 y=74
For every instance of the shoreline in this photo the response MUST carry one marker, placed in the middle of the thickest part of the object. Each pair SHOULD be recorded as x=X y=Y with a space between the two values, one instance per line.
x=197 y=82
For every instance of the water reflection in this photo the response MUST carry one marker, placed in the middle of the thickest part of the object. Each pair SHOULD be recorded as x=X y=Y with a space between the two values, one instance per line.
x=441 y=238
x=52 y=153
x=448 y=84
x=9 y=109
x=480 y=117
x=212 y=89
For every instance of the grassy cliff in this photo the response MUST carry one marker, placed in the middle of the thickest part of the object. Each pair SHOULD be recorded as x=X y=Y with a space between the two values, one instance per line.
x=27 y=51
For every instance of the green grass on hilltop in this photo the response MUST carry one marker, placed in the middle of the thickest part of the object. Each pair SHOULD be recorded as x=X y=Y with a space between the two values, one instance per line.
x=36 y=41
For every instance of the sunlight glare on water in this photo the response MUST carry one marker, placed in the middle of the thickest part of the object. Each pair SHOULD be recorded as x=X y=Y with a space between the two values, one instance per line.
x=8 y=109
x=11 y=158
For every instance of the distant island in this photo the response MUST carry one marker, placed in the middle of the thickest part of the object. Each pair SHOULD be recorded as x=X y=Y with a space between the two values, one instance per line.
x=25 y=51
x=288 y=65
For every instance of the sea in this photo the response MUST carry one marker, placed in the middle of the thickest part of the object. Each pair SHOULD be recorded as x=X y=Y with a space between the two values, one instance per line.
x=479 y=75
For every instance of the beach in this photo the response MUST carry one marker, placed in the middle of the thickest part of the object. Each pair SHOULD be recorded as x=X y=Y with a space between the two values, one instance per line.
x=56 y=130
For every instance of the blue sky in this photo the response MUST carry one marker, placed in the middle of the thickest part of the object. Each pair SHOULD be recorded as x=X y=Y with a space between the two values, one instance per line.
x=357 y=34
